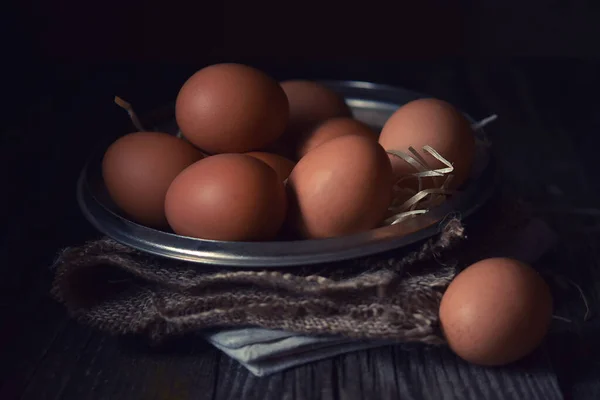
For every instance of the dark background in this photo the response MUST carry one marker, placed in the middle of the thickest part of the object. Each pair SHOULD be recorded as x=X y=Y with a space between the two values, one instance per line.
x=533 y=63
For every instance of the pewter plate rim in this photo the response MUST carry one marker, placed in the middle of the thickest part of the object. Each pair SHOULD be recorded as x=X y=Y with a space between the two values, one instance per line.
x=103 y=216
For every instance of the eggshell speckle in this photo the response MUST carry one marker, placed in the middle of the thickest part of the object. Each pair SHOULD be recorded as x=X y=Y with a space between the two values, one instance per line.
x=331 y=129
x=138 y=169
x=310 y=104
x=231 y=108
x=227 y=197
x=281 y=165
x=496 y=311
x=435 y=123
x=342 y=187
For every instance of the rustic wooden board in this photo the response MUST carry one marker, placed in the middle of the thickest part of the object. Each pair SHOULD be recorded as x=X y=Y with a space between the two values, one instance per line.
x=546 y=158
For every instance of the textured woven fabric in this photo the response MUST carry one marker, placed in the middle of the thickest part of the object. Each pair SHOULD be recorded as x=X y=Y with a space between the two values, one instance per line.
x=267 y=351
x=393 y=296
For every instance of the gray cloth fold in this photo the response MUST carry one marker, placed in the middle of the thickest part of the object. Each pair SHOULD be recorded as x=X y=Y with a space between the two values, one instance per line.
x=267 y=351
x=271 y=351
x=330 y=308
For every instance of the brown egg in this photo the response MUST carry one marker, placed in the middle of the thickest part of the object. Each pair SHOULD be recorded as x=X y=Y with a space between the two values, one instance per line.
x=231 y=108
x=496 y=311
x=227 y=197
x=138 y=169
x=310 y=104
x=281 y=165
x=435 y=123
x=331 y=129
x=342 y=187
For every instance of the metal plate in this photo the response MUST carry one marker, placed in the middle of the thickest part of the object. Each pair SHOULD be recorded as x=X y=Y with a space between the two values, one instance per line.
x=370 y=103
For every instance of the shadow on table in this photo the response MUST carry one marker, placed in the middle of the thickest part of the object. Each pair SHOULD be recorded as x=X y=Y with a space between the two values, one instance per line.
x=191 y=344
x=385 y=372
x=575 y=356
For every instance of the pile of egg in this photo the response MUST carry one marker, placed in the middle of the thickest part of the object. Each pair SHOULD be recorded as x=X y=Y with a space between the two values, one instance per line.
x=261 y=160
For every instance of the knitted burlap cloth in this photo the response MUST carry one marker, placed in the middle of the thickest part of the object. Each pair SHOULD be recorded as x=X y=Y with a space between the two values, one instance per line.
x=395 y=295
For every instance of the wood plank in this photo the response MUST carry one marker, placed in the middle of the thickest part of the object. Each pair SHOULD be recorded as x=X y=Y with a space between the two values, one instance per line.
x=52 y=358
x=85 y=364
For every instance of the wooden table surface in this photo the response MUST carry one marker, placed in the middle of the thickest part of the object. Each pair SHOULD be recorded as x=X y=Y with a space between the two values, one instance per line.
x=546 y=142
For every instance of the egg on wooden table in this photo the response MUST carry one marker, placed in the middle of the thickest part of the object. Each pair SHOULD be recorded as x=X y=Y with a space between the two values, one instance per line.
x=138 y=168
x=434 y=123
x=331 y=129
x=280 y=164
x=496 y=311
x=342 y=187
x=231 y=108
x=232 y=197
